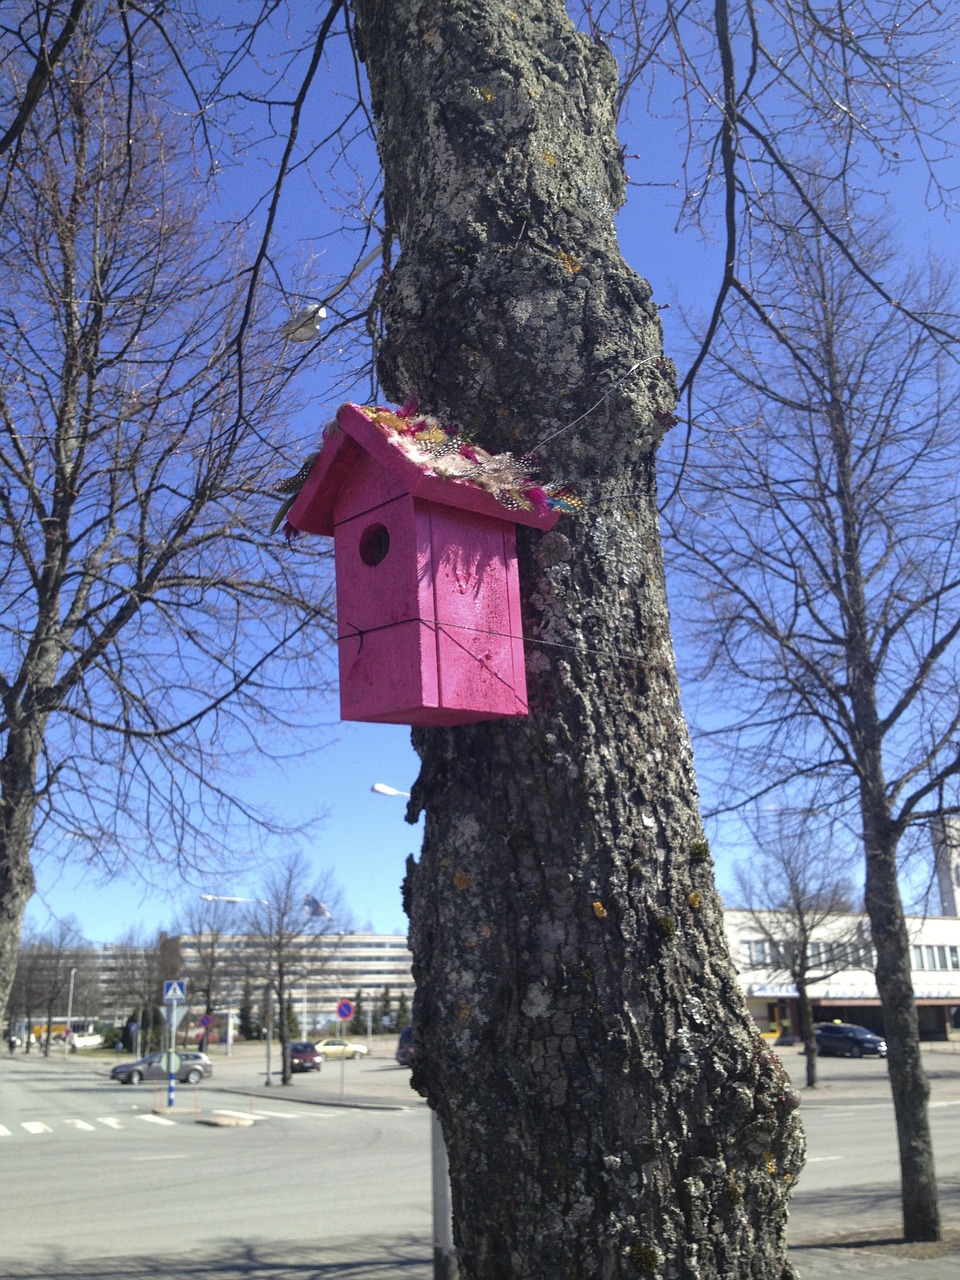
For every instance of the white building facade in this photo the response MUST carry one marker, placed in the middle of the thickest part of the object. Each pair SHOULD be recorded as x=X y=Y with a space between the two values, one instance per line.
x=842 y=947
x=335 y=968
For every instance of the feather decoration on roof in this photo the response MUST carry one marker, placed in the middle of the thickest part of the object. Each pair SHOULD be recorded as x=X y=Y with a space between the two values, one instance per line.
x=446 y=451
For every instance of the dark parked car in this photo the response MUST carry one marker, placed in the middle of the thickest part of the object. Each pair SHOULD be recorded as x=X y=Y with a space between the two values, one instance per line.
x=848 y=1040
x=304 y=1056
x=405 y=1047
x=193 y=1067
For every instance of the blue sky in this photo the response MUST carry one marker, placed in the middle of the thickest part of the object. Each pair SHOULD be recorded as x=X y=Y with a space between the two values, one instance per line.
x=360 y=838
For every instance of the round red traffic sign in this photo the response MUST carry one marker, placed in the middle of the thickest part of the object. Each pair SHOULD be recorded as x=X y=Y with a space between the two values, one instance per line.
x=345 y=1010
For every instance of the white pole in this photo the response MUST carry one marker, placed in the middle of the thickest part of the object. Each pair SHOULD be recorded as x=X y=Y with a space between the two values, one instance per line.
x=444 y=1258
x=268 y=1018
x=68 y=1031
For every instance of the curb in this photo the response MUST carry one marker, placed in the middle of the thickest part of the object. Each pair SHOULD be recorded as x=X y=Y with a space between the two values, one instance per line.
x=345 y=1104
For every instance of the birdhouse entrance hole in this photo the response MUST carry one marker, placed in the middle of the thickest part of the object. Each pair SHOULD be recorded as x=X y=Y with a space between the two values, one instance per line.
x=374 y=544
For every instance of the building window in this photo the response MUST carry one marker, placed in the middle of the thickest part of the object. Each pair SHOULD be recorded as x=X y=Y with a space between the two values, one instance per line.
x=756 y=952
x=917 y=957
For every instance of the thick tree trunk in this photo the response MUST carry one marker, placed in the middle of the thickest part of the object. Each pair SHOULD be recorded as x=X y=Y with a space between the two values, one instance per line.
x=610 y=1109
x=908 y=1080
x=18 y=802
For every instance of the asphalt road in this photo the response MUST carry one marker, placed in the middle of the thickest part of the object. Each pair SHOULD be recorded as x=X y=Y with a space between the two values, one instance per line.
x=96 y=1184
x=332 y=1178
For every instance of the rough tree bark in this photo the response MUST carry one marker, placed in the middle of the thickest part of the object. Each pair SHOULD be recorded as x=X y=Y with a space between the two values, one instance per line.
x=609 y=1108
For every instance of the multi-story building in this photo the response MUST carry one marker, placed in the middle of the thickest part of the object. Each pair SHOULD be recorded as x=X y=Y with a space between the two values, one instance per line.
x=325 y=970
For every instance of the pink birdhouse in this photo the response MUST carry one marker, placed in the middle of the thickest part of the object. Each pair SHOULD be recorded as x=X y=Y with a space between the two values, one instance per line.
x=428 y=596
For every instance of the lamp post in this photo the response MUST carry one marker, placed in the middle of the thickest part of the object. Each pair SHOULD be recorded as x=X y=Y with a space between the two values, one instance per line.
x=444 y=1257
x=68 y=1030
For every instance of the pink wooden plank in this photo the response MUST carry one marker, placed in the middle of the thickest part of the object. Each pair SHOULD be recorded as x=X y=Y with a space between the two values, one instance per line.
x=476 y=646
x=379 y=674
x=387 y=650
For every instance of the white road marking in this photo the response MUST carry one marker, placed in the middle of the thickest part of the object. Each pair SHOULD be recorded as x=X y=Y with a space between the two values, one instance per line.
x=110 y=1121
x=81 y=1124
x=821 y=1159
x=151 y=1119
x=4 y=1132
x=277 y=1115
x=35 y=1126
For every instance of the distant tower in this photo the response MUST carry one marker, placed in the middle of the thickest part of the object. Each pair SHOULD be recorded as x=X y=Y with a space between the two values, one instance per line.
x=945 y=833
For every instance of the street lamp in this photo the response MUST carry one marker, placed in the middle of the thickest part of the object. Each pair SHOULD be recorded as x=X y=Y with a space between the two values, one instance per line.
x=215 y=897
x=68 y=1030
x=444 y=1257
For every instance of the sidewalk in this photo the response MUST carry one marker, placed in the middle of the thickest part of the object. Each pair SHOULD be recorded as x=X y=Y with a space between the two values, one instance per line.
x=898 y=1261
x=847 y=1248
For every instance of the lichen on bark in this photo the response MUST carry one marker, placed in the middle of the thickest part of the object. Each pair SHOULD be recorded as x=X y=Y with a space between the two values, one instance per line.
x=609 y=1108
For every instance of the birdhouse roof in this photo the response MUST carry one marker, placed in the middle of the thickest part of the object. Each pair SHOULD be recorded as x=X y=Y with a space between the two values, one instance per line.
x=415 y=454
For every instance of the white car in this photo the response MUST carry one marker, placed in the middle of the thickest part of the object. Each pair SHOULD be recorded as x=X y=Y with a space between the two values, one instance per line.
x=335 y=1048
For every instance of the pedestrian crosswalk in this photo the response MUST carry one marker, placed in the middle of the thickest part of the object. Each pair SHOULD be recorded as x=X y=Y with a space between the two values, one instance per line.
x=42 y=1128
x=38 y=1127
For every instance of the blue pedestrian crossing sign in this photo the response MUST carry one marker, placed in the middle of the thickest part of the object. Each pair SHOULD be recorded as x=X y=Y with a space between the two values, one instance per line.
x=175 y=991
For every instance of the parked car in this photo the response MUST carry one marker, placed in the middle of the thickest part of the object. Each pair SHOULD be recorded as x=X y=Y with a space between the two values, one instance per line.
x=334 y=1048
x=405 y=1047
x=304 y=1056
x=193 y=1068
x=848 y=1040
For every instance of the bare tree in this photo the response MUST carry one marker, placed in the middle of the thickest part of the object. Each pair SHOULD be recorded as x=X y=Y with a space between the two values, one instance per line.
x=823 y=530
x=152 y=627
x=58 y=953
x=568 y=943
x=137 y=985
x=793 y=885
x=204 y=926
x=285 y=927
x=26 y=991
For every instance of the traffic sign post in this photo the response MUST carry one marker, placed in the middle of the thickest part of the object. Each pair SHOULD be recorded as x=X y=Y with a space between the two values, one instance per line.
x=344 y=1014
x=174 y=994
